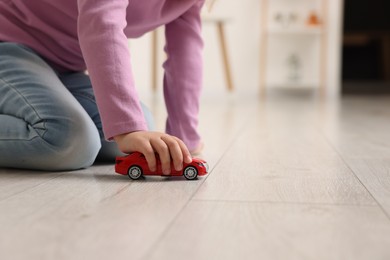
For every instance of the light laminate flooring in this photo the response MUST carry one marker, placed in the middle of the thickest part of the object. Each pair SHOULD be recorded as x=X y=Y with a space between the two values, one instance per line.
x=291 y=176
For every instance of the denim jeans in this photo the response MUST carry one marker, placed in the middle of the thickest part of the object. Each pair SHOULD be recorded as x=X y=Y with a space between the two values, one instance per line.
x=48 y=120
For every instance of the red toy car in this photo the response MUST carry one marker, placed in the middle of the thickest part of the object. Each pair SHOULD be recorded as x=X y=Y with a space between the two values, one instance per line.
x=134 y=165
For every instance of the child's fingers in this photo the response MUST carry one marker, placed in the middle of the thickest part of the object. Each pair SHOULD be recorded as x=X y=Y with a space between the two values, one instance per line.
x=163 y=151
x=175 y=151
x=187 y=158
x=150 y=157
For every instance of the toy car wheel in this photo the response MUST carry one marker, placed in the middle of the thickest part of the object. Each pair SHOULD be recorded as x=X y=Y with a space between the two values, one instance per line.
x=134 y=172
x=190 y=173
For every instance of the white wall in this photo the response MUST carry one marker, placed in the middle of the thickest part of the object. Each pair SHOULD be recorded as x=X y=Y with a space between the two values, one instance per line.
x=243 y=35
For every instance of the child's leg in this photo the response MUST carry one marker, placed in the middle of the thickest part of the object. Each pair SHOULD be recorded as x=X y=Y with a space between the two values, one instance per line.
x=80 y=86
x=42 y=126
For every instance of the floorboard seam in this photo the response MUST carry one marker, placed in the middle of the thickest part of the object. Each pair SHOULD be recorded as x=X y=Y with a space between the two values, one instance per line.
x=357 y=177
x=169 y=225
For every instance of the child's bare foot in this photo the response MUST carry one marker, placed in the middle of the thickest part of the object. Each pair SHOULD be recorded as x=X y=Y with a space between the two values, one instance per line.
x=198 y=150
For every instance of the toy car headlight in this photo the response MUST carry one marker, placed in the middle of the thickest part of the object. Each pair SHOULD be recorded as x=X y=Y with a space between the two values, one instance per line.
x=205 y=165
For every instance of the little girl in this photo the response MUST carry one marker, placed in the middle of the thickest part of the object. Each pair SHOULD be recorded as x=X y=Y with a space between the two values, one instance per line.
x=53 y=116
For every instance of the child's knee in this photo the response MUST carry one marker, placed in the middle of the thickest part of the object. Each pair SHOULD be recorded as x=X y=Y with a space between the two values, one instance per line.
x=81 y=148
x=72 y=144
x=47 y=146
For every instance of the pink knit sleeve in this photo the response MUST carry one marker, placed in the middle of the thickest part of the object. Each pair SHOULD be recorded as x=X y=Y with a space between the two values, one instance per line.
x=105 y=50
x=183 y=75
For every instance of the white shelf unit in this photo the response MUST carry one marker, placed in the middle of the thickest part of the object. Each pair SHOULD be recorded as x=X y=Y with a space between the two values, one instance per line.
x=293 y=51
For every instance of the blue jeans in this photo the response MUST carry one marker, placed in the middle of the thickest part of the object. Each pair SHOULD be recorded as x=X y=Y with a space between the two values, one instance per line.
x=48 y=120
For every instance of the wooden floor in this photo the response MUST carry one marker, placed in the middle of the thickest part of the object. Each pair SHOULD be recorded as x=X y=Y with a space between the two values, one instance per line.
x=292 y=177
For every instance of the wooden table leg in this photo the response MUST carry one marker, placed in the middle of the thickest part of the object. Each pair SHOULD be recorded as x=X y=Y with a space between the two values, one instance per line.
x=222 y=41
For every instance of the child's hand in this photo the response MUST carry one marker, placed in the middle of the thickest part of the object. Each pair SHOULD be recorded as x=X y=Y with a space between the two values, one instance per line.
x=149 y=143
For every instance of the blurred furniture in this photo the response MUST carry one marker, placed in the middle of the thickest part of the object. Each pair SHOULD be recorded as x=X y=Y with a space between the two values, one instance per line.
x=366 y=40
x=382 y=41
x=303 y=23
x=219 y=23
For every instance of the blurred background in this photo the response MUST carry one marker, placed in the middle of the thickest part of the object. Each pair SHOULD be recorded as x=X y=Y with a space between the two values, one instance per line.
x=330 y=46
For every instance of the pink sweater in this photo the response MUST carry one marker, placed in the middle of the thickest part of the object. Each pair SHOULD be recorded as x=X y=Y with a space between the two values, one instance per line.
x=92 y=34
